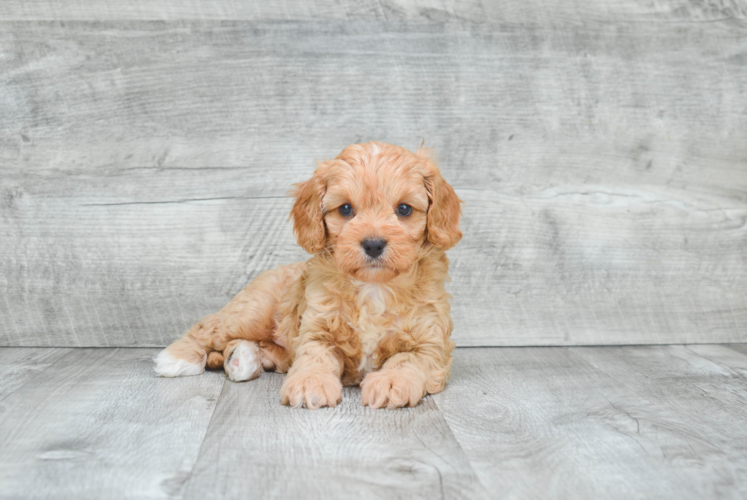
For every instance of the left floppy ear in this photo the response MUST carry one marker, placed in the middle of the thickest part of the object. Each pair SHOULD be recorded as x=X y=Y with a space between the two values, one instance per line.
x=308 y=224
x=443 y=217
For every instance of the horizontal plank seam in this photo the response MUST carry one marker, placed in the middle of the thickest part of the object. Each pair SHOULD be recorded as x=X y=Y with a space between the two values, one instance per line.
x=418 y=21
x=185 y=200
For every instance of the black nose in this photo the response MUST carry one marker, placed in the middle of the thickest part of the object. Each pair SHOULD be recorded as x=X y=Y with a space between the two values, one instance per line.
x=374 y=246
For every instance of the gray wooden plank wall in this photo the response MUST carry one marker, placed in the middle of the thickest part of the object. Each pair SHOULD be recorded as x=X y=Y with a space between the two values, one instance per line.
x=146 y=150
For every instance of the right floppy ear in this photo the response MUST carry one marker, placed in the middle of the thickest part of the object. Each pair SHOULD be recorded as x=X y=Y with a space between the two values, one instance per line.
x=443 y=216
x=307 y=215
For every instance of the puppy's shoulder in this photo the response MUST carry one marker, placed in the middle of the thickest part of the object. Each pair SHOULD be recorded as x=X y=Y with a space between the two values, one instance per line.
x=322 y=277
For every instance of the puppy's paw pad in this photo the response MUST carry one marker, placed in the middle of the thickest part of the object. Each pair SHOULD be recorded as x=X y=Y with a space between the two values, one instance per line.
x=391 y=389
x=244 y=363
x=311 y=390
x=169 y=366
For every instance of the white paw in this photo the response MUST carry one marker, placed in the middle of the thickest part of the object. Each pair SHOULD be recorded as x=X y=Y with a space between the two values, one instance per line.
x=169 y=366
x=244 y=363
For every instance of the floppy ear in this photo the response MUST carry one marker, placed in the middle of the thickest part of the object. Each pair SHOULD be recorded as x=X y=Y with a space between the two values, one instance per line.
x=443 y=217
x=308 y=225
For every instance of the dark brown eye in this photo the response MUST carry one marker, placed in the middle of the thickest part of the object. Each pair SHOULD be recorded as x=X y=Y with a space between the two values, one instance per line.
x=404 y=210
x=345 y=210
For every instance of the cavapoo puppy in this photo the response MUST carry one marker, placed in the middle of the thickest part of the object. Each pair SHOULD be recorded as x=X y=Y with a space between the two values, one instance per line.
x=369 y=307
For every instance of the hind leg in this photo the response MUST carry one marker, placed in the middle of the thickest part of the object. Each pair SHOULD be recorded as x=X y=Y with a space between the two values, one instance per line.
x=182 y=358
x=249 y=316
x=189 y=355
x=242 y=360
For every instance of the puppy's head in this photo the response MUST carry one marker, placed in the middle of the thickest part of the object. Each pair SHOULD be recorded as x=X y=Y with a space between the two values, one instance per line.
x=374 y=207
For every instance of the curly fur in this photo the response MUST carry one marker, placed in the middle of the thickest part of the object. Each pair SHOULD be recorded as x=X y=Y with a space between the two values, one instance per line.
x=342 y=317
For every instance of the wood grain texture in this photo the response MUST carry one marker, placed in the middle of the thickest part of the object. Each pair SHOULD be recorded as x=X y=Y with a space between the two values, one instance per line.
x=622 y=422
x=602 y=162
x=98 y=424
x=116 y=263
x=730 y=356
x=257 y=447
x=603 y=422
x=737 y=348
x=520 y=12
x=654 y=375
x=20 y=365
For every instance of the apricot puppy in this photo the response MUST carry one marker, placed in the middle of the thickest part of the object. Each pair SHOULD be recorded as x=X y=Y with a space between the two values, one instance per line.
x=369 y=307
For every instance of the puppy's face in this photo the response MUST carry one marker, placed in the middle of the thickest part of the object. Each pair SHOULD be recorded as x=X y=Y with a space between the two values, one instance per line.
x=374 y=207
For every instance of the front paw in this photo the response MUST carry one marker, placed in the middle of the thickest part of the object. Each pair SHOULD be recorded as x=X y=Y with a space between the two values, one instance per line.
x=311 y=389
x=391 y=388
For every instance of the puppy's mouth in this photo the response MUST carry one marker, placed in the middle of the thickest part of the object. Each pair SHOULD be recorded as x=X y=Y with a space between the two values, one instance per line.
x=374 y=266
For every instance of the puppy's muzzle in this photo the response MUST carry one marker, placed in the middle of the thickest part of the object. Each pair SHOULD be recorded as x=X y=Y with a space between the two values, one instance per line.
x=374 y=246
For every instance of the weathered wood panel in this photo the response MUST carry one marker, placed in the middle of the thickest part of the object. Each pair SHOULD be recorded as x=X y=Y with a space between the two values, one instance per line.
x=19 y=365
x=255 y=446
x=94 y=95
x=730 y=356
x=602 y=164
x=98 y=424
x=613 y=422
x=520 y=12
x=737 y=348
x=616 y=422
x=710 y=393
x=110 y=260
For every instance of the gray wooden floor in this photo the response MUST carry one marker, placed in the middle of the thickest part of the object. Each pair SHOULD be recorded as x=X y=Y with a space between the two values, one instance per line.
x=525 y=422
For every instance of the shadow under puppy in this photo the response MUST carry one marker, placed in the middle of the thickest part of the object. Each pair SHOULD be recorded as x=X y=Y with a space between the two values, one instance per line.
x=369 y=307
